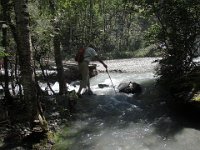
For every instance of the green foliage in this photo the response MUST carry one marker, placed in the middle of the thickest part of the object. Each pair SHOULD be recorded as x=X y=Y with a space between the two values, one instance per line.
x=151 y=35
x=178 y=34
x=196 y=97
x=2 y=53
x=111 y=25
x=41 y=30
x=180 y=30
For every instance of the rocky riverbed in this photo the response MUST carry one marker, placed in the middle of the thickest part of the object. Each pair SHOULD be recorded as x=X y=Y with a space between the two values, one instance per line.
x=136 y=65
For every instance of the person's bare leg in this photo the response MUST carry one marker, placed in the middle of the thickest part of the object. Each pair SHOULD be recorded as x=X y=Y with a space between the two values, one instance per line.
x=88 y=84
x=83 y=67
x=89 y=89
x=80 y=88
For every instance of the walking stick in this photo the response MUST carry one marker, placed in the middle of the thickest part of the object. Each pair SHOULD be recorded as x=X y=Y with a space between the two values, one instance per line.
x=111 y=81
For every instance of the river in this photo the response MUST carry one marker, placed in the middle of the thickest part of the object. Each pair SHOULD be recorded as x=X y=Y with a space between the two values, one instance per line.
x=118 y=121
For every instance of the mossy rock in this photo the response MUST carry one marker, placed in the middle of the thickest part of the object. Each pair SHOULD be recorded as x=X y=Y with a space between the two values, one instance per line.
x=196 y=97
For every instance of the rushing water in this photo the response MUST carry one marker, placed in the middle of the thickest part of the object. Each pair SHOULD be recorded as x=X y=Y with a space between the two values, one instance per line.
x=110 y=121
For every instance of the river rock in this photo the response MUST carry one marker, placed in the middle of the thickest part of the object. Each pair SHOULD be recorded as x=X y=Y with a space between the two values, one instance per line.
x=130 y=87
x=102 y=85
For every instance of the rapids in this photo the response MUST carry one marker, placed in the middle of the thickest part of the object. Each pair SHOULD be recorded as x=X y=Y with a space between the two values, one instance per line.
x=109 y=121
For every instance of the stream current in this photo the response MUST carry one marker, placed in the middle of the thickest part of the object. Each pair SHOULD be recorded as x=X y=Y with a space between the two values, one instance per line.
x=119 y=121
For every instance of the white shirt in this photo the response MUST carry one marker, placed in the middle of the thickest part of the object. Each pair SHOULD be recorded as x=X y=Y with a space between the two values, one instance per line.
x=89 y=54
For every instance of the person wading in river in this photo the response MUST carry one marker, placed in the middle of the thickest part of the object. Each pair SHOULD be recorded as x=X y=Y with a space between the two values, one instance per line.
x=89 y=54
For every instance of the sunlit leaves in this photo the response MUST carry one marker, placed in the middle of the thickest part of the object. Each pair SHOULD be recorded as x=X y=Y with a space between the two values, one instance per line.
x=2 y=53
x=152 y=34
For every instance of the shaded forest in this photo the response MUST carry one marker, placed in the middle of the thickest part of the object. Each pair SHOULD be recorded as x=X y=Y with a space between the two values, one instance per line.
x=38 y=35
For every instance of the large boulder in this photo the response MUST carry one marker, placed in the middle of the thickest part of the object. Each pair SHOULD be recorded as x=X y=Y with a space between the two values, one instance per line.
x=130 y=87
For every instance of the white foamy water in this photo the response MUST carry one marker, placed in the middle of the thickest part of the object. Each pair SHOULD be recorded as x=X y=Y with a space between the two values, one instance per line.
x=109 y=121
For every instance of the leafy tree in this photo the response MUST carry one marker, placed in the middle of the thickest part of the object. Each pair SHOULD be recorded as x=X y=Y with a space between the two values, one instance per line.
x=110 y=25
x=178 y=34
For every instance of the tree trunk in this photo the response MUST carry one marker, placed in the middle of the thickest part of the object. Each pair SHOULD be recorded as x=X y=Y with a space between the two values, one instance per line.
x=25 y=58
x=59 y=65
x=57 y=53
x=14 y=34
x=4 y=4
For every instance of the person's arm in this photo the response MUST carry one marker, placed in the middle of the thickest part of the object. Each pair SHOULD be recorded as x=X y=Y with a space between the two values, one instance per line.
x=101 y=61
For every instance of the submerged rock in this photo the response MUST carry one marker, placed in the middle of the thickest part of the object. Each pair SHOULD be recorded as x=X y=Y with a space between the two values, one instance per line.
x=130 y=87
x=102 y=85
